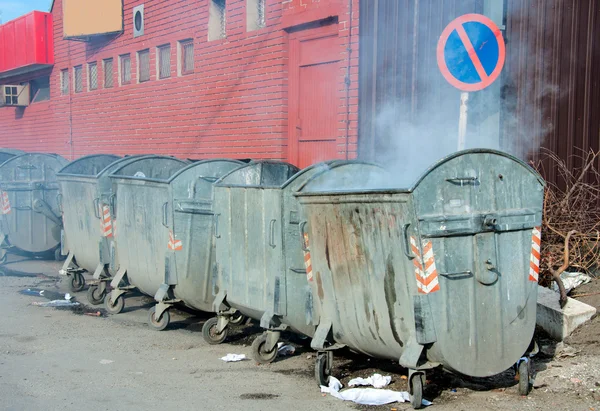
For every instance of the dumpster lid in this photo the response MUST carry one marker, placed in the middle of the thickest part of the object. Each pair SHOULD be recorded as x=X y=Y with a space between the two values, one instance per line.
x=312 y=173
x=8 y=153
x=384 y=181
x=149 y=168
x=263 y=173
x=30 y=158
x=206 y=164
x=91 y=165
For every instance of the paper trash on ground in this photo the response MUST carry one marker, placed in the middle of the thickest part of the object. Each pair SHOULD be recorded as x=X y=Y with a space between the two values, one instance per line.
x=572 y=281
x=234 y=357
x=56 y=303
x=376 y=380
x=366 y=396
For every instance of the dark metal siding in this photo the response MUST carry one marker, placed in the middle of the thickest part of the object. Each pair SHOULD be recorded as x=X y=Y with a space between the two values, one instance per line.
x=551 y=77
x=550 y=87
x=398 y=66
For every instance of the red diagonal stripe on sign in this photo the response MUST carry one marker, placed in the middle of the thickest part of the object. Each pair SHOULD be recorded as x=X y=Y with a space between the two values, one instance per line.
x=472 y=52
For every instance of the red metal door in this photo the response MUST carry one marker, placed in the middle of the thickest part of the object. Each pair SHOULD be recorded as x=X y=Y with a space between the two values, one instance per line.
x=314 y=96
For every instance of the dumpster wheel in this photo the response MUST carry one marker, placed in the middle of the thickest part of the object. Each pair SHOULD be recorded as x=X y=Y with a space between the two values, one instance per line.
x=210 y=334
x=95 y=296
x=416 y=390
x=161 y=323
x=238 y=319
x=259 y=353
x=524 y=377
x=114 y=307
x=323 y=365
x=77 y=282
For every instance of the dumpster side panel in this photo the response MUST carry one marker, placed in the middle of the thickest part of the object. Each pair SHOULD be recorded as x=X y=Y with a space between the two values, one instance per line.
x=82 y=224
x=34 y=223
x=249 y=249
x=142 y=239
x=477 y=214
x=193 y=225
x=360 y=272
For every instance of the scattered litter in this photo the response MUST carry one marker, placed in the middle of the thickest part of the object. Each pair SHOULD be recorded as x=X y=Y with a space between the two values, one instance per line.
x=234 y=357
x=366 y=396
x=104 y=362
x=309 y=356
x=376 y=380
x=32 y=291
x=284 y=350
x=575 y=380
x=404 y=377
x=68 y=296
x=56 y=303
x=563 y=350
x=572 y=281
x=96 y=314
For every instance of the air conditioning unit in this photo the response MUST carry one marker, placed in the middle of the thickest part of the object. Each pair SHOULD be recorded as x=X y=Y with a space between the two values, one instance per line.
x=14 y=95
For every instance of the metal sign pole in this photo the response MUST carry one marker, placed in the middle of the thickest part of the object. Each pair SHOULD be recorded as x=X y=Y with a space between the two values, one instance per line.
x=462 y=120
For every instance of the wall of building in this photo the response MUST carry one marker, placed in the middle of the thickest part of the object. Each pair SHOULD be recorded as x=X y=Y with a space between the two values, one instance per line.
x=233 y=105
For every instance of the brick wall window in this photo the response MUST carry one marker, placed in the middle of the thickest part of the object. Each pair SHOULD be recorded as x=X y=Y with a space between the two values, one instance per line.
x=125 y=68
x=185 y=63
x=92 y=76
x=164 y=61
x=64 y=82
x=78 y=79
x=143 y=65
x=108 y=73
x=255 y=14
x=217 y=19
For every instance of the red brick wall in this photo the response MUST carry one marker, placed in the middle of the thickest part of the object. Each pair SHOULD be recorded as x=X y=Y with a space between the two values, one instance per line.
x=233 y=105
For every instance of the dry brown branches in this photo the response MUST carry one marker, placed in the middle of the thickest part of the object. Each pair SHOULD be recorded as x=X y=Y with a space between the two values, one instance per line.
x=571 y=221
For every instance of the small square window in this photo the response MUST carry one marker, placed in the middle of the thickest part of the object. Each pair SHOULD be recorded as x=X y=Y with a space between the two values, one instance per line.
x=186 y=57
x=143 y=65
x=217 y=19
x=125 y=68
x=64 y=82
x=78 y=79
x=108 y=73
x=92 y=76
x=164 y=61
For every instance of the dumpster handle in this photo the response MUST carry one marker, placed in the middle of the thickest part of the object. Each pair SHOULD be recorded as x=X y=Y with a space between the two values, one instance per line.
x=97 y=207
x=272 y=233
x=59 y=198
x=217 y=235
x=302 y=236
x=111 y=202
x=165 y=216
x=460 y=274
x=407 y=250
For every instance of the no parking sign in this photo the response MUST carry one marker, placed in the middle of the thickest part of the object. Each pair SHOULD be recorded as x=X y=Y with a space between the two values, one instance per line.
x=471 y=52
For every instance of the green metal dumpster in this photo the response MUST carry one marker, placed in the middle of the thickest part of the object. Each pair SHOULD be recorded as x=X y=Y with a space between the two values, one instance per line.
x=261 y=265
x=31 y=221
x=441 y=273
x=86 y=218
x=187 y=272
x=139 y=204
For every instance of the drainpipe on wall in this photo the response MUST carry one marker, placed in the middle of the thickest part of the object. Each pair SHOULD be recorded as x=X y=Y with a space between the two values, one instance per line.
x=71 y=151
x=347 y=80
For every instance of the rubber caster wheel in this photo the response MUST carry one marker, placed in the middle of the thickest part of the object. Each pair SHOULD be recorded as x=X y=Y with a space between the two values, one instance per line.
x=210 y=334
x=77 y=282
x=114 y=307
x=322 y=369
x=238 y=319
x=259 y=352
x=416 y=389
x=94 y=296
x=523 y=370
x=161 y=323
